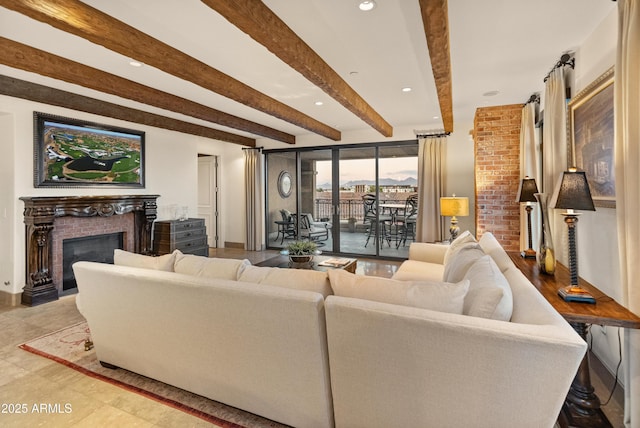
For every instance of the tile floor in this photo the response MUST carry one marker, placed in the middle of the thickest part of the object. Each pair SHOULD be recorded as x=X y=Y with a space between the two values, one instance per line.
x=27 y=379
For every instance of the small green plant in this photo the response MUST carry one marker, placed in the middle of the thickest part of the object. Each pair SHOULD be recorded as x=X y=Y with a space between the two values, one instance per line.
x=302 y=248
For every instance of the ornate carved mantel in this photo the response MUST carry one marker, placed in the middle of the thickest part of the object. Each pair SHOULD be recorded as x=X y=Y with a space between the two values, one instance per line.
x=39 y=216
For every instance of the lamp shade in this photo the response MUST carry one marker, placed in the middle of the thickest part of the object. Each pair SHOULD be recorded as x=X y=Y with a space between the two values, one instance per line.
x=454 y=206
x=527 y=190
x=572 y=192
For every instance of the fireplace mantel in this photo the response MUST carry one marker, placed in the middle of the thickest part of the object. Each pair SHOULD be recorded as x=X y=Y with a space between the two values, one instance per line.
x=39 y=218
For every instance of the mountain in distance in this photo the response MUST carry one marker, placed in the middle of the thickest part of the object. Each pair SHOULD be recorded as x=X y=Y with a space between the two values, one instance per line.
x=409 y=181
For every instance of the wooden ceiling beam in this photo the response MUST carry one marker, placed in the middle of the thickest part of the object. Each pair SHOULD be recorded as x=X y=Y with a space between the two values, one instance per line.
x=435 y=18
x=258 y=21
x=84 y=21
x=43 y=94
x=18 y=55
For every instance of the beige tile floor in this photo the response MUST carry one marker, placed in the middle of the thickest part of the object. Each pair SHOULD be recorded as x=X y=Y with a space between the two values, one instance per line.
x=72 y=399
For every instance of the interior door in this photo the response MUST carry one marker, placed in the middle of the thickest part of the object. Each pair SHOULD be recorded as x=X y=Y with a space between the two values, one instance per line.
x=207 y=196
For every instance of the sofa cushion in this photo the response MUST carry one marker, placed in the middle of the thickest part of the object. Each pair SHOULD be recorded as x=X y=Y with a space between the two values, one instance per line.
x=126 y=258
x=461 y=260
x=489 y=293
x=491 y=246
x=436 y=296
x=463 y=238
x=298 y=279
x=413 y=270
x=209 y=267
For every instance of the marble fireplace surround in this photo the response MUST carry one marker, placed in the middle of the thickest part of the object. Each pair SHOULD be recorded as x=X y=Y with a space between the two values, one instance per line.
x=40 y=215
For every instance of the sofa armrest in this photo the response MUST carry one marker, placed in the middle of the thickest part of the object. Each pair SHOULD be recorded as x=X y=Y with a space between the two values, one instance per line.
x=427 y=252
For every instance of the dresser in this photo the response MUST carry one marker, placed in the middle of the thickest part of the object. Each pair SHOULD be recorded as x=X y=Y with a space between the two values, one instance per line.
x=188 y=236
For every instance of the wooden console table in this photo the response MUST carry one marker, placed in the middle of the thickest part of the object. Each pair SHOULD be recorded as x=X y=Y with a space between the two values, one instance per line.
x=582 y=406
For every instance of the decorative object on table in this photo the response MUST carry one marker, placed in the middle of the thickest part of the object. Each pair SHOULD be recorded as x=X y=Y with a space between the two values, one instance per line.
x=284 y=184
x=77 y=153
x=572 y=194
x=301 y=252
x=526 y=193
x=452 y=207
x=546 y=256
x=590 y=119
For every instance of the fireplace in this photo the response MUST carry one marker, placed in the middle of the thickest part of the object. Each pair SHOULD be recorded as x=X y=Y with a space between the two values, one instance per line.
x=93 y=248
x=50 y=220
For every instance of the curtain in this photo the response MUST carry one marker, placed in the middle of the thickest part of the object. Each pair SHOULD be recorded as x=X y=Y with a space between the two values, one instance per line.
x=253 y=198
x=554 y=146
x=431 y=156
x=529 y=166
x=627 y=173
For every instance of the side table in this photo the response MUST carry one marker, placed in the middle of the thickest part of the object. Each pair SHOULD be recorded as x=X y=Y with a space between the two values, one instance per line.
x=582 y=406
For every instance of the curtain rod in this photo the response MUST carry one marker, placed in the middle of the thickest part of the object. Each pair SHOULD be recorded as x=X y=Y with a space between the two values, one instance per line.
x=431 y=133
x=252 y=148
x=565 y=59
x=534 y=98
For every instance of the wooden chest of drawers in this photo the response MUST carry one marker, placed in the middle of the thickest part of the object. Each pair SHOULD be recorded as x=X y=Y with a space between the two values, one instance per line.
x=188 y=236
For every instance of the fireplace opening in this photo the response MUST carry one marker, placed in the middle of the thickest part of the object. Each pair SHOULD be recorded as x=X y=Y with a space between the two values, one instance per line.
x=95 y=248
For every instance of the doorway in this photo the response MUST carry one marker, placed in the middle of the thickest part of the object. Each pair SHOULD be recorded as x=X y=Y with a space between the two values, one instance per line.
x=208 y=196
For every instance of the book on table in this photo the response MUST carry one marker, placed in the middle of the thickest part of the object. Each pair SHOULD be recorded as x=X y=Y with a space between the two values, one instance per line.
x=335 y=262
x=573 y=293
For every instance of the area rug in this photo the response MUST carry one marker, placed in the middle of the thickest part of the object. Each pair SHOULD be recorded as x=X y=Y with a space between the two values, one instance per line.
x=67 y=347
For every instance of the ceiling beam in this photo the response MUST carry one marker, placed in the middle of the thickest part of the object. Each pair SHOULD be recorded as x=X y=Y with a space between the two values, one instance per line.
x=84 y=21
x=43 y=94
x=18 y=55
x=258 y=21
x=435 y=18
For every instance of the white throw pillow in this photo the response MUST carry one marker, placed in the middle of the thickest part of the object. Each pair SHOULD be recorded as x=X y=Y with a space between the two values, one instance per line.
x=298 y=279
x=463 y=238
x=461 y=260
x=207 y=267
x=126 y=258
x=435 y=296
x=489 y=293
x=491 y=246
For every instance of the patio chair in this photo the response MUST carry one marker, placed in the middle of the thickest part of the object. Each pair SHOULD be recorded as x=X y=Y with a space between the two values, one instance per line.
x=311 y=229
x=407 y=222
x=377 y=223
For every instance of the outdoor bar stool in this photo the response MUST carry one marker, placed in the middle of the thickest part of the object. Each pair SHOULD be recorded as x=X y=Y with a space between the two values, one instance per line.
x=377 y=223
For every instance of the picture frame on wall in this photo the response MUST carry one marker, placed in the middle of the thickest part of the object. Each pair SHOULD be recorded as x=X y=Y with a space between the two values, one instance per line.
x=591 y=138
x=76 y=153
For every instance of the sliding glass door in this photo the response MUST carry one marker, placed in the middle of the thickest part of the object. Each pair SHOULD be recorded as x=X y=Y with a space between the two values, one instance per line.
x=351 y=199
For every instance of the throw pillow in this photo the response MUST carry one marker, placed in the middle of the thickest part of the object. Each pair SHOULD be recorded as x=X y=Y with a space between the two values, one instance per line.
x=298 y=279
x=463 y=238
x=435 y=296
x=461 y=260
x=126 y=258
x=489 y=293
x=491 y=246
x=209 y=267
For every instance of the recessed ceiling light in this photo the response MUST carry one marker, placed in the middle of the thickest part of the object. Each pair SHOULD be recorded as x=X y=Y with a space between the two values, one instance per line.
x=491 y=93
x=367 y=5
x=134 y=63
x=319 y=103
x=436 y=117
x=406 y=89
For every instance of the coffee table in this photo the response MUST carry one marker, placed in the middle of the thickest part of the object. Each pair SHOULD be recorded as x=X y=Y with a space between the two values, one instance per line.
x=281 y=261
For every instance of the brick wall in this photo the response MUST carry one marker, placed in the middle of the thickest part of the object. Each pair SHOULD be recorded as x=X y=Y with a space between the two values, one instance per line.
x=497 y=173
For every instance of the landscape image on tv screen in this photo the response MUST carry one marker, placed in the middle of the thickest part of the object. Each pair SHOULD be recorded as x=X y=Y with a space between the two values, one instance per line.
x=83 y=154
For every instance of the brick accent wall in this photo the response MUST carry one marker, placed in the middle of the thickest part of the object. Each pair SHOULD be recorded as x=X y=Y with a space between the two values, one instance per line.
x=497 y=172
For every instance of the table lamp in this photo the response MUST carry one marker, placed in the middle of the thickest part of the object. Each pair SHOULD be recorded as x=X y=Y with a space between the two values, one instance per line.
x=572 y=193
x=526 y=193
x=452 y=207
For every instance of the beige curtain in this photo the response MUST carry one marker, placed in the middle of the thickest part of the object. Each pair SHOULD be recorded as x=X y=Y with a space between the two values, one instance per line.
x=529 y=166
x=554 y=147
x=431 y=158
x=253 y=197
x=627 y=173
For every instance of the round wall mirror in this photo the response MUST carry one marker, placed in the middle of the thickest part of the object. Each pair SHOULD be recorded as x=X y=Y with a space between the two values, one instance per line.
x=284 y=184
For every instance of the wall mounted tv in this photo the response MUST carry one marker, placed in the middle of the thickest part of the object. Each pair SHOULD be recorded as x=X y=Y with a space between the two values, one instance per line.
x=76 y=153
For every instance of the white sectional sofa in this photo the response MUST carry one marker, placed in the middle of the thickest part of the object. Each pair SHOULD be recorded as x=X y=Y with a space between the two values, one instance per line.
x=309 y=349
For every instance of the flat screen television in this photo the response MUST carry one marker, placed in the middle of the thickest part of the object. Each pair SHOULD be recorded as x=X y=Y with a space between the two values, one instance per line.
x=77 y=153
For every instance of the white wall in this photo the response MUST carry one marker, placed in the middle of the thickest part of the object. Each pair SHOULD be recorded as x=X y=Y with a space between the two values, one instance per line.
x=171 y=172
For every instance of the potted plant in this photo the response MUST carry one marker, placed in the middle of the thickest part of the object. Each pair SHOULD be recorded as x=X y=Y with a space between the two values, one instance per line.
x=301 y=251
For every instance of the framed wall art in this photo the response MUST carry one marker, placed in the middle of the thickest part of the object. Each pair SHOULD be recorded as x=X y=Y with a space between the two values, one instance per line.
x=76 y=153
x=591 y=138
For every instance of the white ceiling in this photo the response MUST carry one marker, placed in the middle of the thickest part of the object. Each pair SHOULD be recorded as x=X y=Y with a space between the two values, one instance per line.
x=496 y=45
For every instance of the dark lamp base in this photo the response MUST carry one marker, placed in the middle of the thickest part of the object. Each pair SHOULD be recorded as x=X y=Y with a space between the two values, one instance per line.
x=529 y=253
x=573 y=293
